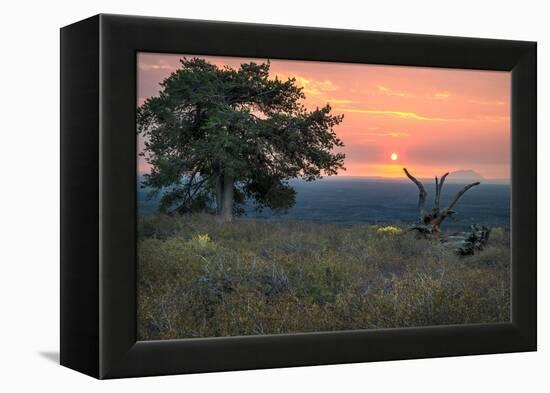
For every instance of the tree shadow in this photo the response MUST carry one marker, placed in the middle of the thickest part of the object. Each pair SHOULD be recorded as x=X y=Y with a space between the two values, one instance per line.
x=52 y=356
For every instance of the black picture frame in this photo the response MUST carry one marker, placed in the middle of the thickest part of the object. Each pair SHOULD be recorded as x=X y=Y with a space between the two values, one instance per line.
x=98 y=196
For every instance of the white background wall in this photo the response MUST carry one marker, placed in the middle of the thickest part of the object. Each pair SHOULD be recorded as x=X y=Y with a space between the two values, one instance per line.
x=29 y=194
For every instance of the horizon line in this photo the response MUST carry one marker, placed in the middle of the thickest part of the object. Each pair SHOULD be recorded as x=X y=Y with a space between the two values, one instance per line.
x=404 y=178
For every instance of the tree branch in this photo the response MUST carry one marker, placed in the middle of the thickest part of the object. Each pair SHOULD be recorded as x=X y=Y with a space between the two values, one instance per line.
x=438 y=188
x=436 y=198
x=421 y=193
x=458 y=196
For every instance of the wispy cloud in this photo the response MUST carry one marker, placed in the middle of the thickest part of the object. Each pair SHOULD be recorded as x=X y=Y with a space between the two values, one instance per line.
x=160 y=66
x=336 y=101
x=399 y=114
x=315 y=87
x=321 y=90
x=441 y=95
x=394 y=134
x=391 y=92
x=483 y=102
x=419 y=117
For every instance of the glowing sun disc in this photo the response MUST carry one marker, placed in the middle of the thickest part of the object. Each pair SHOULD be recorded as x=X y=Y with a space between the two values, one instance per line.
x=393 y=156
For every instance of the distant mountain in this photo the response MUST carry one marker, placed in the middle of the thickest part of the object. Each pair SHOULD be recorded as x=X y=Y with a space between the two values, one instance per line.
x=465 y=175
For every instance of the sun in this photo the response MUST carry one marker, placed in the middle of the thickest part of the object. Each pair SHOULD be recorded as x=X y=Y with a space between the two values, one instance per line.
x=393 y=156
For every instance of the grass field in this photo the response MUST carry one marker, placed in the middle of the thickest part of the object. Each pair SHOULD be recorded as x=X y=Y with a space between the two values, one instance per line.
x=198 y=278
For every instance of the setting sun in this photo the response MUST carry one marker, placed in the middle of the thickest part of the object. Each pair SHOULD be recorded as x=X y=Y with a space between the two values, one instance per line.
x=393 y=156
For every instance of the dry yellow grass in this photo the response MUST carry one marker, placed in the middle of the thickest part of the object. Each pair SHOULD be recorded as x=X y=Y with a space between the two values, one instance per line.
x=198 y=278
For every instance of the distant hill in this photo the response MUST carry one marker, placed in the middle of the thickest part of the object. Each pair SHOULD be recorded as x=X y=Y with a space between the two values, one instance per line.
x=465 y=175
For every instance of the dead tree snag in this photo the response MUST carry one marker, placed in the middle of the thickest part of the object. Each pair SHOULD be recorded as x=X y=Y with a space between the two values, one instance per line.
x=429 y=222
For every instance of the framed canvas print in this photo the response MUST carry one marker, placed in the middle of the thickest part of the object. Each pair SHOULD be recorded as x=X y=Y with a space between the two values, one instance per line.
x=239 y=196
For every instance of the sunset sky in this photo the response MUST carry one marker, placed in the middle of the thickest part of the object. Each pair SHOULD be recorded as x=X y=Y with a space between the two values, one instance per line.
x=430 y=120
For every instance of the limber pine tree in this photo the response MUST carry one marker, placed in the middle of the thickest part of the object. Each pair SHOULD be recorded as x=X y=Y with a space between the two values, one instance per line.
x=217 y=135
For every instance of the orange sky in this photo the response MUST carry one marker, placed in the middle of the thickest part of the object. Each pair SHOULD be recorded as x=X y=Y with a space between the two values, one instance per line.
x=434 y=119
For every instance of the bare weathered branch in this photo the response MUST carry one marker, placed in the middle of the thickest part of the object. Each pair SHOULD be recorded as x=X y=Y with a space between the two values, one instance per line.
x=421 y=229
x=421 y=193
x=438 y=188
x=465 y=243
x=458 y=196
x=442 y=180
x=436 y=198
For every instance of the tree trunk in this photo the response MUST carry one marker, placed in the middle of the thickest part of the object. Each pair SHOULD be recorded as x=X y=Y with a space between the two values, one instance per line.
x=219 y=194
x=436 y=229
x=227 y=199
